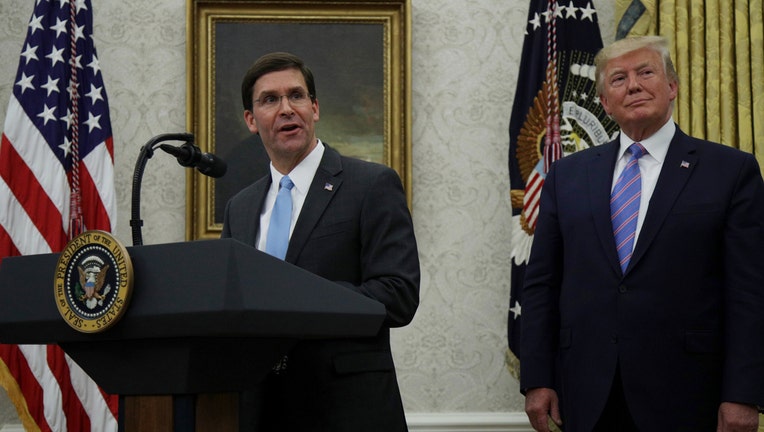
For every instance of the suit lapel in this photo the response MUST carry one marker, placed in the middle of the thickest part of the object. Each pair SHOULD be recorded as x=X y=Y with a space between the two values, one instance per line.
x=600 y=177
x=679 y=164
x=255 y=207
x=325 y=184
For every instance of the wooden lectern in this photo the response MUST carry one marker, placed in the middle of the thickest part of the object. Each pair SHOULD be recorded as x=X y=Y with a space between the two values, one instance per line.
x=207 y=318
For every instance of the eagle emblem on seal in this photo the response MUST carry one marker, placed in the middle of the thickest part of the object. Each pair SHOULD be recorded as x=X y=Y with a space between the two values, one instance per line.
x=90 y=290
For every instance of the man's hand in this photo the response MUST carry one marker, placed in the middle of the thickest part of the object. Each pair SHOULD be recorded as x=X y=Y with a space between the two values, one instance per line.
x=540 y=405
x=733 y=417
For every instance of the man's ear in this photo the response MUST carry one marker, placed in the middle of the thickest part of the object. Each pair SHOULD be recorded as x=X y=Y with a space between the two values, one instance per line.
x=673 y=90
x=249 y=119
x=603 y=102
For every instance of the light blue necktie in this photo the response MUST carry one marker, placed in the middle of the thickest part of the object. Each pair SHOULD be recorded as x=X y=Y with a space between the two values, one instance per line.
x=624 y=205
x=281 y=219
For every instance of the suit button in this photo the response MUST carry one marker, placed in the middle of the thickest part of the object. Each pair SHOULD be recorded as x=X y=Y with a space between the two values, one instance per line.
x=622 y=289
x=614 y=339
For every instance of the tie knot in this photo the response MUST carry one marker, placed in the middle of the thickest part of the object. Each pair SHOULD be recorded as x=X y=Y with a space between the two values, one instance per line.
x=286 y=182
x=637 y=150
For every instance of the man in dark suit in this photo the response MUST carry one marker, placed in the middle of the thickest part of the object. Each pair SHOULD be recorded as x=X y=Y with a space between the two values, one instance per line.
x=350 y=224
x=668 y=334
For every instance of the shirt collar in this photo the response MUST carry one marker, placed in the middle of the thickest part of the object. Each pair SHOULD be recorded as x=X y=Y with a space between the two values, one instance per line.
x=656 y=145
x=302 y=175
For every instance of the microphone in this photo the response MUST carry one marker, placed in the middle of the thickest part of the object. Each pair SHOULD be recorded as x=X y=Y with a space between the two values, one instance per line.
x=189 y=155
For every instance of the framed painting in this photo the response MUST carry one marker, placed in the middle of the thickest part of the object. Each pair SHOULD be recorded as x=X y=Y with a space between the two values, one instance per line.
x=359 y=53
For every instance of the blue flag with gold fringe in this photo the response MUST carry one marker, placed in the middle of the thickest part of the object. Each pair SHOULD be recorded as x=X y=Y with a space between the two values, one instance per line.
x=556 y=112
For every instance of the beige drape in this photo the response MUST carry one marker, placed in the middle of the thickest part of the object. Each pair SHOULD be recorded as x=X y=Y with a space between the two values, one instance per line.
x=718 y=50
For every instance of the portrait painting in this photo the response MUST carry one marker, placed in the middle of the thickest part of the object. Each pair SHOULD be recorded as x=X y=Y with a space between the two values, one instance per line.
x=359 y=56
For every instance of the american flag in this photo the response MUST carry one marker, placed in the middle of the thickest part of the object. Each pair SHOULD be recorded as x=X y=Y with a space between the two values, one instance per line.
x=56 y=180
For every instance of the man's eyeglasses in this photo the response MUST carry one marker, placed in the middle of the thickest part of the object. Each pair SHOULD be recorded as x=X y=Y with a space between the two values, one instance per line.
x=295 y=98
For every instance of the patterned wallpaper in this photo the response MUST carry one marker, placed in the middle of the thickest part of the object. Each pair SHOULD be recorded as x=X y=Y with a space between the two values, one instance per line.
x=465 y=63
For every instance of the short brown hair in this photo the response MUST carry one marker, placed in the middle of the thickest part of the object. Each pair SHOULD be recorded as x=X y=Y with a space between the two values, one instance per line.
x=276 y=61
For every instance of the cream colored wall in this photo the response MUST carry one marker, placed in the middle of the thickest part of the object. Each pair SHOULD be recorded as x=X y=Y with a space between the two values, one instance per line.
x=465 y=63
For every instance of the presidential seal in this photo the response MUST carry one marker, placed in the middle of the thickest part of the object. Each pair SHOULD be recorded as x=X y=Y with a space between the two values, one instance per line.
x=93 y=282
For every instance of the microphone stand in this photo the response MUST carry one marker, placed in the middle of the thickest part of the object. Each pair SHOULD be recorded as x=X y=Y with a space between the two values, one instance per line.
x=146 y=153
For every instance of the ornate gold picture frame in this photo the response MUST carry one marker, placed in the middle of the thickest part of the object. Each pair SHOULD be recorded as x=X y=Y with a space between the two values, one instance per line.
x=360 y=54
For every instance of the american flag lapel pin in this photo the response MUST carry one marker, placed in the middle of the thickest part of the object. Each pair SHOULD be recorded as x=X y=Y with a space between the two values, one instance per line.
x=684 y=164
x=329 y=187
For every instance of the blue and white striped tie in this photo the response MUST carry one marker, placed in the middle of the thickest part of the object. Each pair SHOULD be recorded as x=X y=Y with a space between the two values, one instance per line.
x=624 y=205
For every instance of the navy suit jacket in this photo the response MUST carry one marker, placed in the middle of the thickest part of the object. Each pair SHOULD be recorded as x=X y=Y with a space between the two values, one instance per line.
x=685 y=321
x=354 y=228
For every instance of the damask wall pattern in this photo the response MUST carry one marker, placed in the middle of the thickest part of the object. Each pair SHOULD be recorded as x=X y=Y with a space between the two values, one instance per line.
x=465 y=56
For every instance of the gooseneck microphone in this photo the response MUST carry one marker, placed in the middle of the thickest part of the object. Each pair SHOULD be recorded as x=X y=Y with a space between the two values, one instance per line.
x=189 y=155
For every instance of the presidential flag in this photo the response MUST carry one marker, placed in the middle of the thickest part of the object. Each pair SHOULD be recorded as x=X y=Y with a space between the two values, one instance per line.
x=56 y=180
x=555 y=112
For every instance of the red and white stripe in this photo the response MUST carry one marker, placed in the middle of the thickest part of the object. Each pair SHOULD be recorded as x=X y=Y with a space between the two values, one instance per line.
x=532 y=197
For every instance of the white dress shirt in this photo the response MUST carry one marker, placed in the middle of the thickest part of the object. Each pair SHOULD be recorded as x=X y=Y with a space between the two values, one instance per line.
x=302 y=176
x=649 y=165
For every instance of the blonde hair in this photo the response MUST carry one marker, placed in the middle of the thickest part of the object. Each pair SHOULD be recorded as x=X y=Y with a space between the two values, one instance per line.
x=620 y=47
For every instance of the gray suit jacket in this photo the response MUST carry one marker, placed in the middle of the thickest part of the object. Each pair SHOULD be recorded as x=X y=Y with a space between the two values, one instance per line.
x=355 y=229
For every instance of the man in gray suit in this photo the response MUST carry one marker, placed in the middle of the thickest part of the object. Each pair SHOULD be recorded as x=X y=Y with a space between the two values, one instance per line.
x=350 y=224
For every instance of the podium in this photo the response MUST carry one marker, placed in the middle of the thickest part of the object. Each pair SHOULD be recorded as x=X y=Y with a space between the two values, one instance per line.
x=206 y=317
